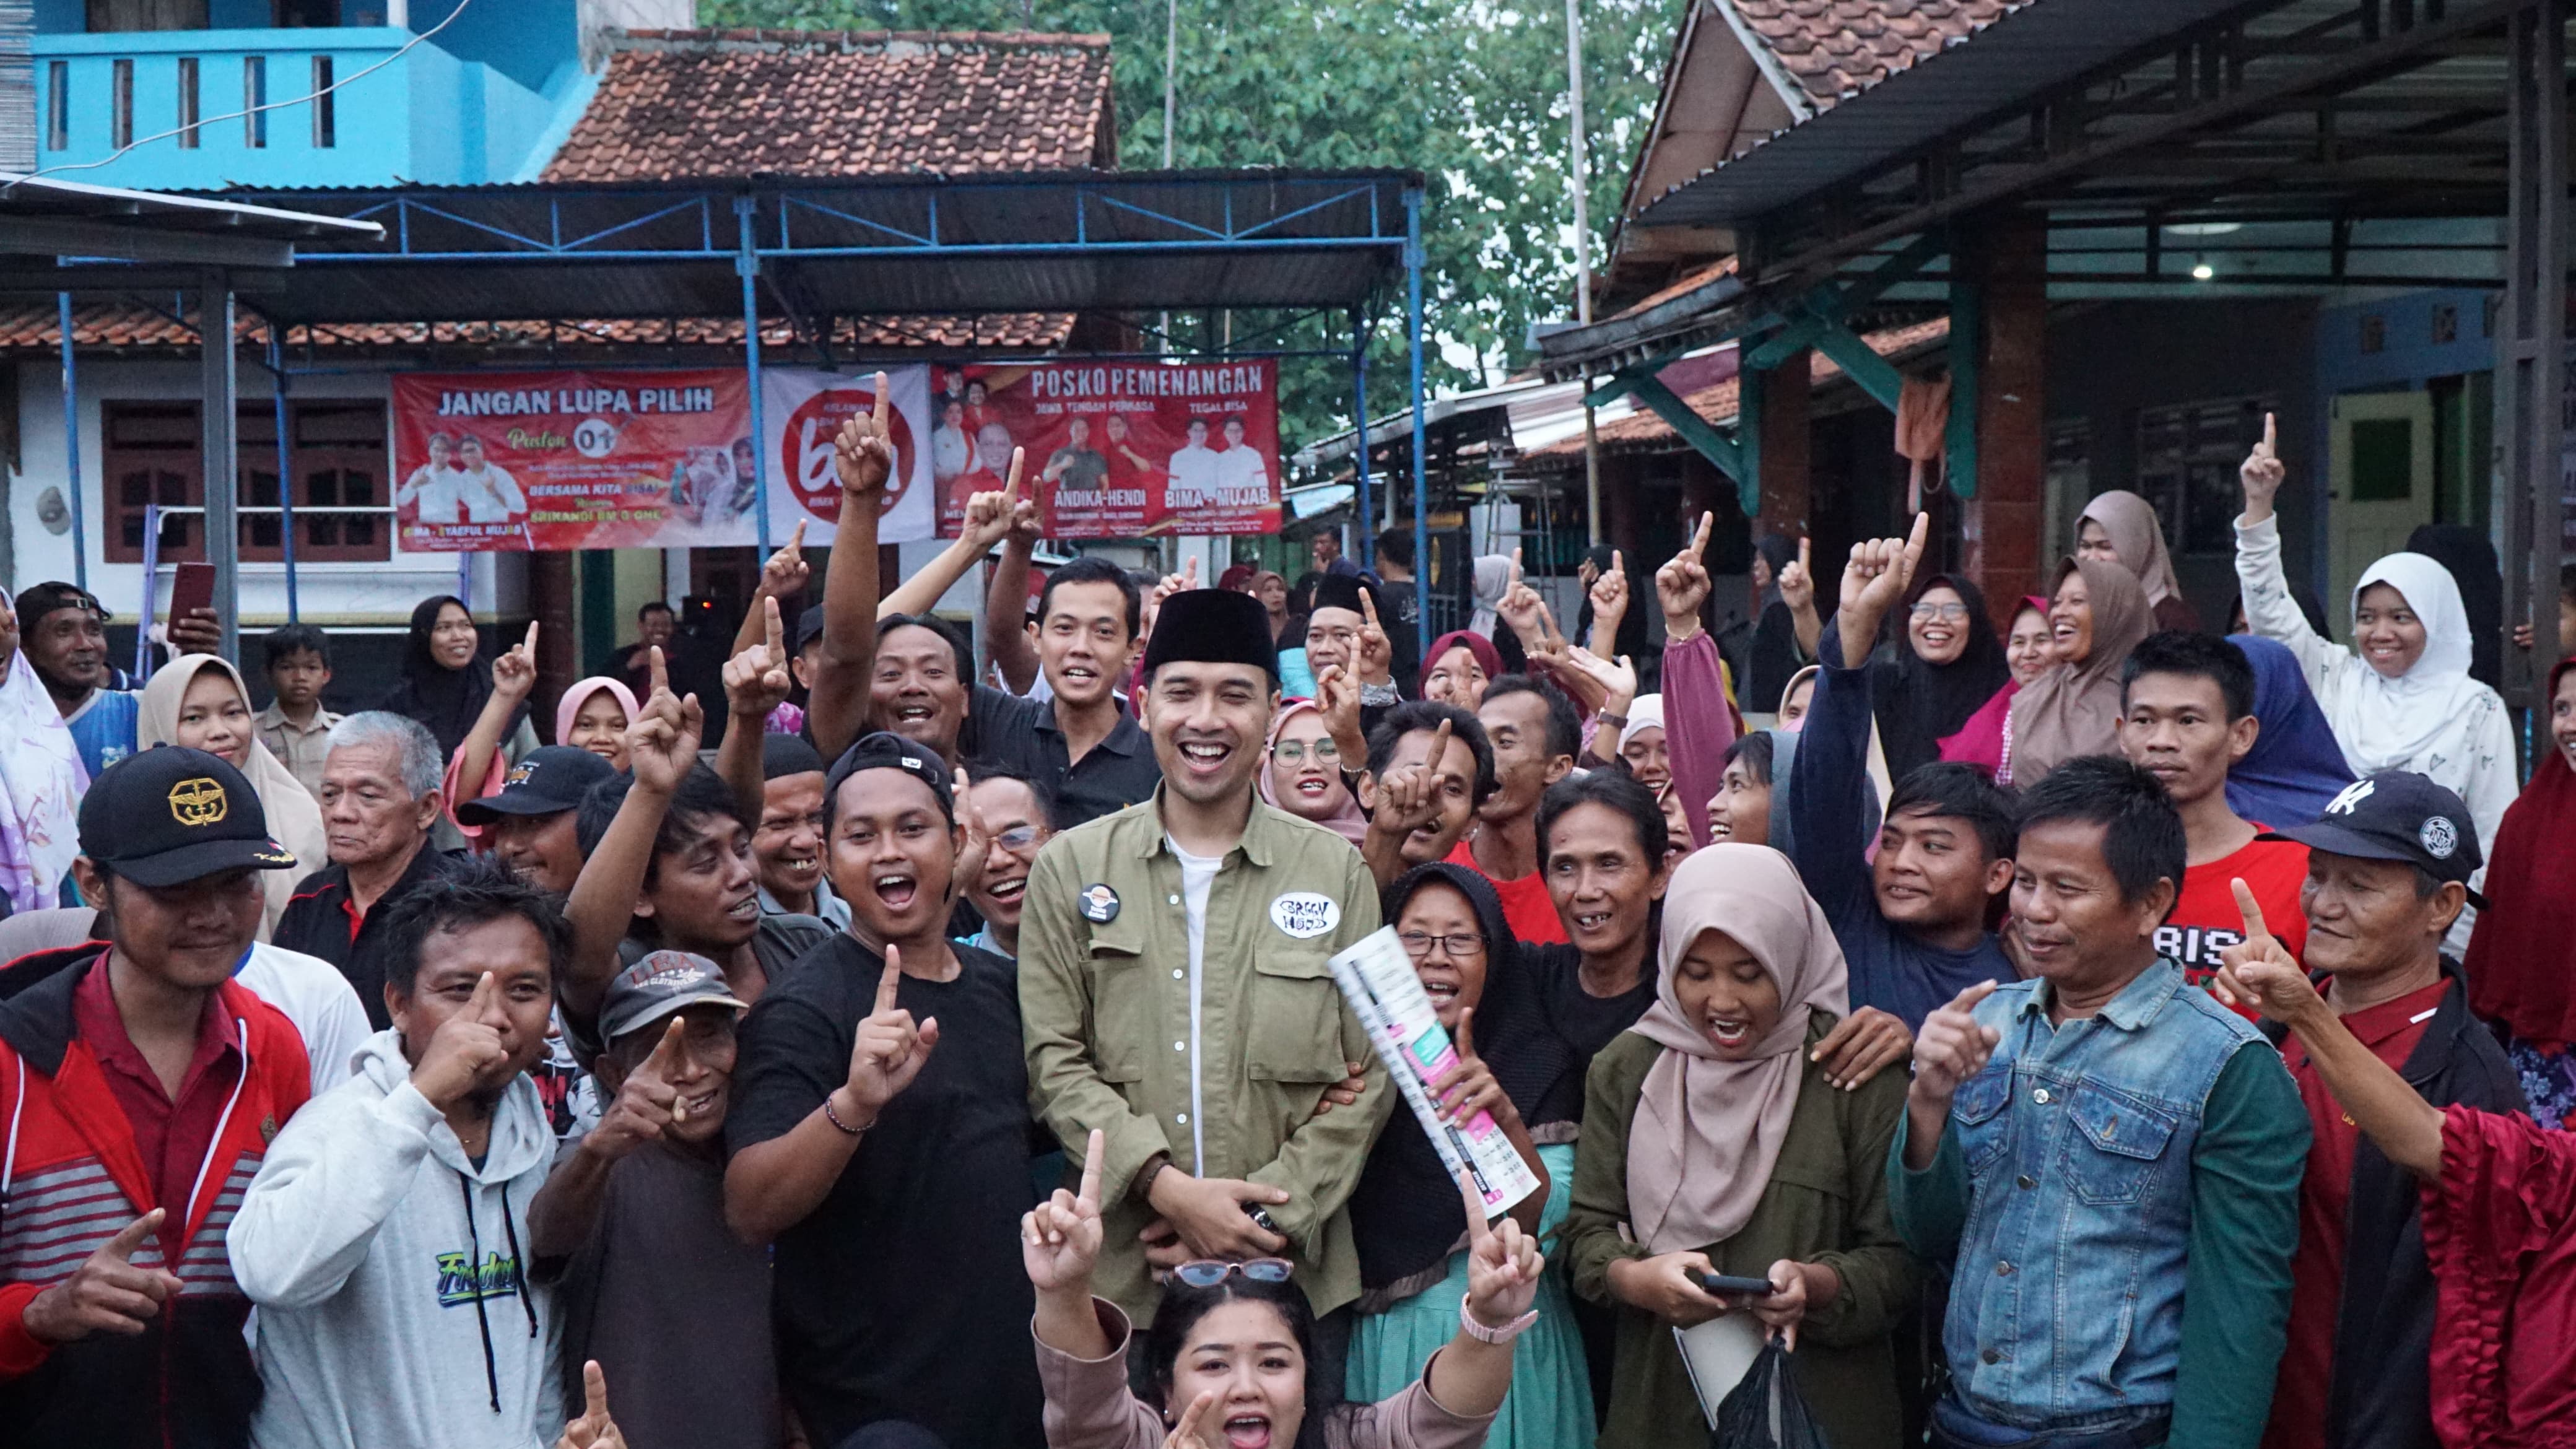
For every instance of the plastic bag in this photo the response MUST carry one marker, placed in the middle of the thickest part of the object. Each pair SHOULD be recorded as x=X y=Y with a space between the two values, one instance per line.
x=1766 y=1411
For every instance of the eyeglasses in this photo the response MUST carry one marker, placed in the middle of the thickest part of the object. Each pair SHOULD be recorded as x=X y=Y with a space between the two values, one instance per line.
x=1947 y=613
x=1418 y=944
x=1294 y=752
x=1017 y=838
x=1207 y=1273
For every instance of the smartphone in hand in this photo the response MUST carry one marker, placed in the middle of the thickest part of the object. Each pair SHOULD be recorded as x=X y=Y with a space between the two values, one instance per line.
x=1730 y=1283
x=192 y=587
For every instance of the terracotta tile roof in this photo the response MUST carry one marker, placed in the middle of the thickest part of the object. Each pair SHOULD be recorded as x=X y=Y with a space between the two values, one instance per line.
x=1834 y=49
x=694 y=103
x=109 y=326
x=1643 y=432
x=1690 y=281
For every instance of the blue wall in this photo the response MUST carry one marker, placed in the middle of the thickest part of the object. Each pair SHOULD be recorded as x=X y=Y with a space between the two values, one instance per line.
x=477 y=104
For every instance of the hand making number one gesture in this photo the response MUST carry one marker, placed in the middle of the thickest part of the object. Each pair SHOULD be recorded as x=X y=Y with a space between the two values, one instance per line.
x=756 y=681
x=662 y=743
x=863 y=452
x=1681 y=586
x=1877 y=576
x=1060 y=1238
x=889 y=1051
x=2261 y=473
x=990 y=517
x=2260 y=972
x=1503 y=1262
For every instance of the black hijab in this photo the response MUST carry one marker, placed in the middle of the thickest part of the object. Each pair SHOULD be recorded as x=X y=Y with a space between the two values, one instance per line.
x=1404 y=1210
x=2472 y=562
x=447 y=701
x=1919 y=703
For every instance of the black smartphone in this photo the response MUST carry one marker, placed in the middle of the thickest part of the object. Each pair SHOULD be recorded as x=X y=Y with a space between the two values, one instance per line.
x=1729 y=1283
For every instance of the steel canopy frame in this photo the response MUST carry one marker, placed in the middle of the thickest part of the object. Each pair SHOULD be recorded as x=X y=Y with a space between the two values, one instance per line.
x=811 y=250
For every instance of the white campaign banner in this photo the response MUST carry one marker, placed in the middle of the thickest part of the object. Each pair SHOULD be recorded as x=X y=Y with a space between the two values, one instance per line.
x=802 y=411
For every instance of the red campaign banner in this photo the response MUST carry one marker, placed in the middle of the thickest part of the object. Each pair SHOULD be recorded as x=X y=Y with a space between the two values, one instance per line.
x=549 y=461
x=1114 y=449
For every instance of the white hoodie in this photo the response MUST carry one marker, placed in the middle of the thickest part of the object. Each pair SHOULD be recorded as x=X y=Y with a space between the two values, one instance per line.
x=360 y=1240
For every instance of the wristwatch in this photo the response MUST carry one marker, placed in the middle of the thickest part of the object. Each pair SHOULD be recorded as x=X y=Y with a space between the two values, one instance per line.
x=1379 y=694
x=1468 y=1325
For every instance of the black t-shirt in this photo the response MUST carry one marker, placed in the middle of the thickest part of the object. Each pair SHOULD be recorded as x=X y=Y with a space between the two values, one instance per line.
x=1582 y=1023
x=902 y=1296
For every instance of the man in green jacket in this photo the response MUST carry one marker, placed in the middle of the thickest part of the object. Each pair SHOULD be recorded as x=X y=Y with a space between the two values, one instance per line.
x=1174 y=990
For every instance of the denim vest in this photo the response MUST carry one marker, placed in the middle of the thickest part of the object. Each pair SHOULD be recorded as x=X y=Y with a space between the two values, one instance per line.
x=2066 y=1301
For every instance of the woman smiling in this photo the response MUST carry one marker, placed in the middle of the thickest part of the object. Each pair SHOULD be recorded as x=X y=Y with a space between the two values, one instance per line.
x=1720 y=1146
x=199 y=701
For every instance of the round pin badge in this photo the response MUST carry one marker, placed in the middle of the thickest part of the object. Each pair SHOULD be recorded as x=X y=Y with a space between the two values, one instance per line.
x=1099 y=904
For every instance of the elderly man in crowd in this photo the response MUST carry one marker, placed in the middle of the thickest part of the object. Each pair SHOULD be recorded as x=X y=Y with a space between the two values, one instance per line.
x=380 y=798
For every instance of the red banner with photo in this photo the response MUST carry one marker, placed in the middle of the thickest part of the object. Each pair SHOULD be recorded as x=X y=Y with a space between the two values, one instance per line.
x=1114 y=449
x=569 y=460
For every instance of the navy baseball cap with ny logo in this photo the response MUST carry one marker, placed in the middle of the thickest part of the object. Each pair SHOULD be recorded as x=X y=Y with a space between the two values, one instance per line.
x=2402 y=816
x=171 y=815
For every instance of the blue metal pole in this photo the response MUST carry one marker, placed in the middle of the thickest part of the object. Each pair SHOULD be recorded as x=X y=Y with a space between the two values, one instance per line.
x=151 y=583
x=71 y=449
x=747 y=264
x=1359 y=394
x=285 y=475
x=1421 y=487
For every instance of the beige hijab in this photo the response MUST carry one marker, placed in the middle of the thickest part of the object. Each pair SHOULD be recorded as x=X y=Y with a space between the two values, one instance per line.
x=2138 y=539
x=1708 y=1129
x=294 y=820
x=2074 y=709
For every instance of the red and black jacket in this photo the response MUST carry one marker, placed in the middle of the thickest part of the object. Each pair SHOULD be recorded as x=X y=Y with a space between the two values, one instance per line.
x=71 y=1177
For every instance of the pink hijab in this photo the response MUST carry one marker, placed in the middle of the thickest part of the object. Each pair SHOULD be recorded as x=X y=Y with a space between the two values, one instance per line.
x=1708 y=1129
x=1348 y=822
x=569 y=707
x=1982 y=739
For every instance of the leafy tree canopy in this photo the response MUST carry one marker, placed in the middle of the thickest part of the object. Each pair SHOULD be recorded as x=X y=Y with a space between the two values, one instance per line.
x=1469 y=92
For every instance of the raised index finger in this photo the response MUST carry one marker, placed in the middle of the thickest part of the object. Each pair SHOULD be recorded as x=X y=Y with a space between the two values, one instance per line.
x=1699 y=540
x=1914 y=546
x=883 y=398
x=530 y=643
x=481 y=1001
x=1368 y=606
x=666 y=1052
x=1092 y=1152
x=893 y=977
x=594 y=1391
x=1477 y=1230
x=1967 y=1000
x=1011 y=485
x=776 y=628
x=796 y=540
x=131 y=1236
x=2269 y=434
x=657 y=673
x=2251 y=910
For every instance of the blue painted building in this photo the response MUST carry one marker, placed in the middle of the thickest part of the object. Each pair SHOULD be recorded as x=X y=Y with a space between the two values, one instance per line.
x=434 y=91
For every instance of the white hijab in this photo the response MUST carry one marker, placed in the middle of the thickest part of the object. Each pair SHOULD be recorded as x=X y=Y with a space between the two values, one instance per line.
x=2395 y=721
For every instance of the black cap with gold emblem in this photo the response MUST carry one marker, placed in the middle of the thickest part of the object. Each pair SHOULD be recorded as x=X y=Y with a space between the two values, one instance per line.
x=168 y=816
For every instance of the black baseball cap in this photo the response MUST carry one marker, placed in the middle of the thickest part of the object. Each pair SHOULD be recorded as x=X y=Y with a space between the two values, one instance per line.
x=548 y=782
x=2398 y=815
x=888 y=751
x=171 y=815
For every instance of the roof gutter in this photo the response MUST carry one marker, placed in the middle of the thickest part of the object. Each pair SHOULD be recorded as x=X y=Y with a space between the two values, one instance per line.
x=1705 y=313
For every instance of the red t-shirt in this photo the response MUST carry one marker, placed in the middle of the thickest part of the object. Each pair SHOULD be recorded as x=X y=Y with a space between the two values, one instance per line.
x=2390 y=1030
x=2206 y=921
x=1527 y=907
x=172 y=1138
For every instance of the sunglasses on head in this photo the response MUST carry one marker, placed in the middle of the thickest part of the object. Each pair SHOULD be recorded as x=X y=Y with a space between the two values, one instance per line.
x=1206 y=1273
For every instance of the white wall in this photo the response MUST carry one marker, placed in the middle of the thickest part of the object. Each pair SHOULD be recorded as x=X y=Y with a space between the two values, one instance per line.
x=344 y=595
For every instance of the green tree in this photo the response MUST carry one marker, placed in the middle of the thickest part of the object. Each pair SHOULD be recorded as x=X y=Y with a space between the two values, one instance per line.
x=1471 y=93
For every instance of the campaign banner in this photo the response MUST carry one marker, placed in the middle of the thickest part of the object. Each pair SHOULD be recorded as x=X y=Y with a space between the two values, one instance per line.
x=803 y=410
x=494 y=462
x=1114 y=449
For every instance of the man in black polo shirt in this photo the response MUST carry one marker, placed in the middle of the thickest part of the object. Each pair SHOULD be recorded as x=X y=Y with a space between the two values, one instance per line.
x=379 y=799
x=1081 y=746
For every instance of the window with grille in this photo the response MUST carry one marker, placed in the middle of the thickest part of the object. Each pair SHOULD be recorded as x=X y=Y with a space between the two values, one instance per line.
x=254 y=96
x=326 y=126
x=58 y=105
x=2187 y=461
x=121 y=101
x=336 y=454
x=188 y=111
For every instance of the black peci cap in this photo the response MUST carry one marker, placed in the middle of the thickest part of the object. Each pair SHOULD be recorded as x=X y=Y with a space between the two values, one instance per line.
x=2398 y=815
x=548 y=782
x=1212 y=626
x=170 y=815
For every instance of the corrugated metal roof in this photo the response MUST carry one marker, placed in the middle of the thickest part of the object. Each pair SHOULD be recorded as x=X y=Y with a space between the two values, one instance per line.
x=2009 y=62
x=1043 y=242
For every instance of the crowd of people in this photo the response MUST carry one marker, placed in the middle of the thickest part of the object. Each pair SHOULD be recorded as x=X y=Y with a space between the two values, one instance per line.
x=2084 y=1033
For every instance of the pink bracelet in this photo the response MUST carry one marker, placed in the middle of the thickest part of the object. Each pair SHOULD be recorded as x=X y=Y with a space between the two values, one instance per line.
x=1468 y=1325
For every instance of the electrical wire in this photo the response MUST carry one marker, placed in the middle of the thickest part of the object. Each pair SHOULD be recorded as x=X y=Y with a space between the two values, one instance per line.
x=352 y=79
